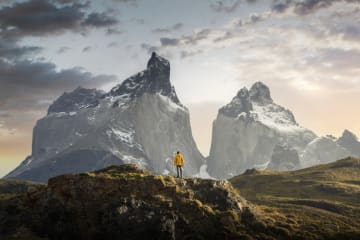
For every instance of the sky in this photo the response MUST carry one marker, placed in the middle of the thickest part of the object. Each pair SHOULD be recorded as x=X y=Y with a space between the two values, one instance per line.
x=306 y=51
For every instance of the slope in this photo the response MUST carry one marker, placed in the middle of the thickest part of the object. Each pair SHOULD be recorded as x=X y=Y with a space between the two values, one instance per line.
x=125 y=202
x=138 y=121
x=324 y=198
x=248 y=129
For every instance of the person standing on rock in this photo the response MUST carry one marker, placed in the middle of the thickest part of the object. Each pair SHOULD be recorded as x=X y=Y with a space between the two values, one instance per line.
x=179 y=163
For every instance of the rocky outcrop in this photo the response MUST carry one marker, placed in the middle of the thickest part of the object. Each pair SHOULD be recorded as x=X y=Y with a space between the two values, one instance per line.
x=126 y=202
x=139 y=121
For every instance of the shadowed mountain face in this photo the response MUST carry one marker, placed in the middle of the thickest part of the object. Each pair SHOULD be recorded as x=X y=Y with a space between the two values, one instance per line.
x=138 y=121
x=324 y=199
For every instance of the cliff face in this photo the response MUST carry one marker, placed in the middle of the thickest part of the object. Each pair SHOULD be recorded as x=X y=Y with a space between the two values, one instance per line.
x=247 y=131
x=252 y=131
x=138 y=121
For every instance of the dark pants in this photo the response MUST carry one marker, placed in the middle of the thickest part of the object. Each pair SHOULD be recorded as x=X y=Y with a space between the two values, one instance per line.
x=179 y=170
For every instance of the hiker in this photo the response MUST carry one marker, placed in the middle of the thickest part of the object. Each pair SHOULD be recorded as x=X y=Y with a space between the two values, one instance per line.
x=179 y=162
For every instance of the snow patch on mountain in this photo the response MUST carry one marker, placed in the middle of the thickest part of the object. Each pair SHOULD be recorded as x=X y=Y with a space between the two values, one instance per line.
x=275 y=117
x=247 y=130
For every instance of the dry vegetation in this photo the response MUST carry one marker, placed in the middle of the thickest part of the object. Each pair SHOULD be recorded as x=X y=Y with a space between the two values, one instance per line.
x=319 y=201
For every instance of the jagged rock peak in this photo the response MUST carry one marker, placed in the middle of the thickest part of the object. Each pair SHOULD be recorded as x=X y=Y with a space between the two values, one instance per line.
x=243 y=93
x=155 y=79
x=78 y=99
x=158 y=62
x=260 y=93
x=239 y=104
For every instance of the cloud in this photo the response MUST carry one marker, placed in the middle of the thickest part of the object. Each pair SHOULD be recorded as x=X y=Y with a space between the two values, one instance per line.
x=169 y=41
x=186 y=54
x=175 y=27
x=227 y=35
x=28 y=83
x=63 y=50
x=185 y=40
x=25 y=84
x=305 y=7
x=4 y=114
x=99 y=20
x=87 y=49
x=67 y=1
x=43 y=17
x=113 y=44
x=10 y=50
x=254 y=18
x=133 y=3
x=331 y=60
x=197 y=36
x=226 y=6
x=138 y=20
x=114 y=31
x=149 y=48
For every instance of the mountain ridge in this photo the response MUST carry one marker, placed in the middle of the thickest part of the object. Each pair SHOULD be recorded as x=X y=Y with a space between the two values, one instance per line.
x=253 y=131
x=119 y=126
x=88 y=129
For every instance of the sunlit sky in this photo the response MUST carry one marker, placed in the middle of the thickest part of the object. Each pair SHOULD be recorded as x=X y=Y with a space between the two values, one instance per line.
x=306 y=51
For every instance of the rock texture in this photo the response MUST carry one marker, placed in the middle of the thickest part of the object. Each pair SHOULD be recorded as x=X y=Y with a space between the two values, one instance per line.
x=126 y=202
x=350 y=142
x=247 y=130
x=323 y=150
x=254 y=132
x=284 y=159
x=139 y=121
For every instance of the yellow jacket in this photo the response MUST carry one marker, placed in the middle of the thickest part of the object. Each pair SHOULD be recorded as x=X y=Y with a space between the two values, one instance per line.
x=179 y=160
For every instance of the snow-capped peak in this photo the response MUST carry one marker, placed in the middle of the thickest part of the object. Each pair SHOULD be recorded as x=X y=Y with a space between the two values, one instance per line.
x=276 y=117
x=256 y=104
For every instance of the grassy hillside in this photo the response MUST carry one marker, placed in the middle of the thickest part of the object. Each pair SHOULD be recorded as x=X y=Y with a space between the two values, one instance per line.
x=10 y=188
x=324 y=198
x=125 y=202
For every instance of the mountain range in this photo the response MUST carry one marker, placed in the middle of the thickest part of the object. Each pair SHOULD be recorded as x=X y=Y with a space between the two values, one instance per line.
x=142 y=121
